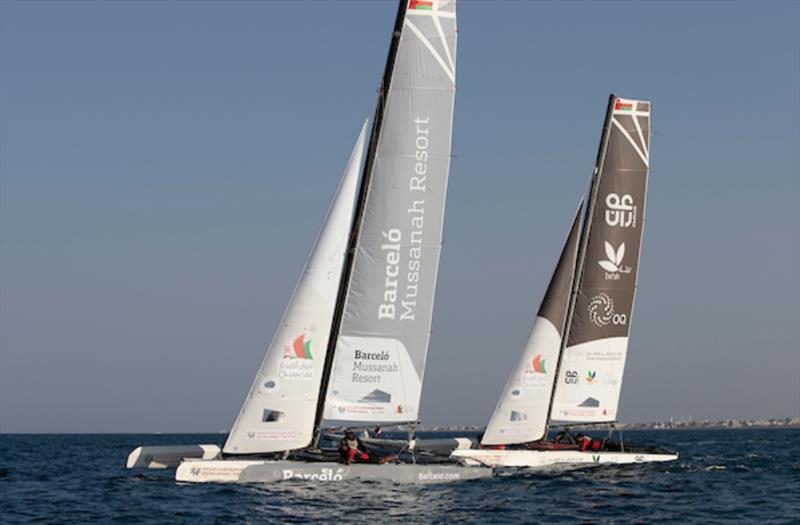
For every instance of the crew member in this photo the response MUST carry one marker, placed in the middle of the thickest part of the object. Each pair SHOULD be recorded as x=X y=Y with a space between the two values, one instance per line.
x=564 y=436
x=349 y=449
x=589 y=443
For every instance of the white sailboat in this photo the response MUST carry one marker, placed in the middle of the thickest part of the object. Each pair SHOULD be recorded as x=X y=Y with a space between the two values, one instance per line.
x=353 y=341
x=577 y=378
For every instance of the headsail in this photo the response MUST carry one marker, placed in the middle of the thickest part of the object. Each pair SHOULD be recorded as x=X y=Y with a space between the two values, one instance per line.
x=383 y=340
x=278 y=413
x=521 y=413
x=592 y=364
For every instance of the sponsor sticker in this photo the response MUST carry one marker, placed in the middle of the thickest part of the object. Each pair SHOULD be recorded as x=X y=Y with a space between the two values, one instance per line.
x=297 y=362
x=613 y=264
x=620 y=211
x=535 y=373
x=601 y=312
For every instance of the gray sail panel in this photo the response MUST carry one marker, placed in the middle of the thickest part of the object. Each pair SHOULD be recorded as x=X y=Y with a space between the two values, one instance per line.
x=592 y=366
x=614 y=236
x=556 y=298
x=383 y=341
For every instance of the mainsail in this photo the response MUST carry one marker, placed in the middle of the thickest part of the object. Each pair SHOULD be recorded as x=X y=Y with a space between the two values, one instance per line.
x=521 y=413
x=593 y=361
x=278 y=412
x=382 y=344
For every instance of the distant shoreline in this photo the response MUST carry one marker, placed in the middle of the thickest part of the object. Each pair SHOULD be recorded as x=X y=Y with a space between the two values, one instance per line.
x=725 y=424
x=707 y=424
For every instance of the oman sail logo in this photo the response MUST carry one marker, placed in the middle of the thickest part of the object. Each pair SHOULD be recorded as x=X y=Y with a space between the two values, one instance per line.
x=538 y=364
x=534 y=375
x=300 y=349
x=613 y=266
x=297 y=362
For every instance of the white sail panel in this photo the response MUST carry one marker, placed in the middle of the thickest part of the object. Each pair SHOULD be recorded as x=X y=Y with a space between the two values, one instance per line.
x=521 y=413
x=384 y=373
x=278 y=413
x=390 y=297
x=593 y=362
x=592 y=375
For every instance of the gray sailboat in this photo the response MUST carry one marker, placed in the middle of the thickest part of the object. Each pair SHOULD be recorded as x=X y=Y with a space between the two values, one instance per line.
x=571 y=370
x=352 y=344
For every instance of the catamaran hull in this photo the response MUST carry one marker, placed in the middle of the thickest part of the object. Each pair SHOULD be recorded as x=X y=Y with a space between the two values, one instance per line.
x=255 y=471
x=554 y=458
x=170 y=456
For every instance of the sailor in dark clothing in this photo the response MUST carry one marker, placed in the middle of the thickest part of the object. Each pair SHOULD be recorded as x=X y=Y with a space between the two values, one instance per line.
x=565 y=437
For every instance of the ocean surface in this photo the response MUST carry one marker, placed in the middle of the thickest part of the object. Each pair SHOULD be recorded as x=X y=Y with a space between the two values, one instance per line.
x=722 y=476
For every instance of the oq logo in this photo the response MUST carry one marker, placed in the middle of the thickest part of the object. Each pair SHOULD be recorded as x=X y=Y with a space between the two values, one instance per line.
x=601 y=312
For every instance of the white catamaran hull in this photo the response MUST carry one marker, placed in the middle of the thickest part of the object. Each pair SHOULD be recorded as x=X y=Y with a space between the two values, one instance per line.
x=553 y=458
x=170 y=456
x=263 y=471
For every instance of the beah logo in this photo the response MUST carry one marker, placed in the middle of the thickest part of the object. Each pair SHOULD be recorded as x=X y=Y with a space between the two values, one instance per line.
x=621 y=211
x=613 y=266
x=590 y=375
x=601 y=311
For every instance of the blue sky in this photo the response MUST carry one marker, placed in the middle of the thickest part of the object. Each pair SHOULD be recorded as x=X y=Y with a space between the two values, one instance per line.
x=164 y=169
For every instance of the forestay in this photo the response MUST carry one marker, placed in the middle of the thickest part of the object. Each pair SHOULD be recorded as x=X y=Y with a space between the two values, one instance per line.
x=521 y=413
x=383 y=341
x=592 y=364
x=278 y=413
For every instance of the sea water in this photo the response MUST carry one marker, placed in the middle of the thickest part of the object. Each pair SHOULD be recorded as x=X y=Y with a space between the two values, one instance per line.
x=722 y=476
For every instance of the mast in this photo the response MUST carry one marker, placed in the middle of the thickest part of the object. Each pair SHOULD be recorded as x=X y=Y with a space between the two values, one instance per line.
x=358 y=219
x=581 y=257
